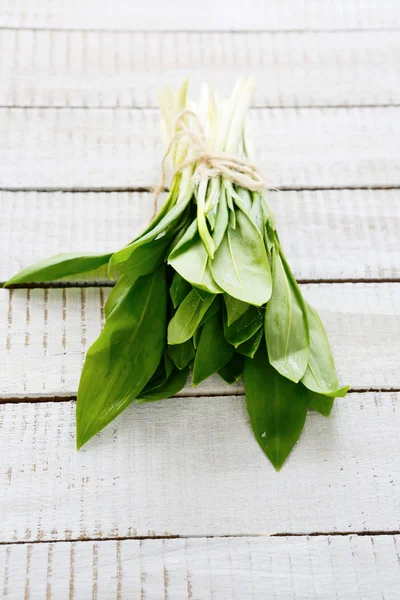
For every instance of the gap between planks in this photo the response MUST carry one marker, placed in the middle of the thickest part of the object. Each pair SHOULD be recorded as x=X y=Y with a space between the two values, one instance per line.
x=229 y=392
x=150 y=189
x=203 y=537
x=96 y=284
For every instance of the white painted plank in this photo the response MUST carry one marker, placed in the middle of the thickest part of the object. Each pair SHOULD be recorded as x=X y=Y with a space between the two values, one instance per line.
x=328 y=234
x=226 y=562
x=207 y=15
x=107 y=149
x=109 y=69
x=45 y=334
x=192 y=467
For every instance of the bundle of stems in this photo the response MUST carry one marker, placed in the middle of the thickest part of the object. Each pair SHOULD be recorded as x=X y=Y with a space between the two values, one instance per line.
x=206 y=287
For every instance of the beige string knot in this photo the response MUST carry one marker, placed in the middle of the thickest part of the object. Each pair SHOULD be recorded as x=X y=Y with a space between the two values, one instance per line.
x=209 y=164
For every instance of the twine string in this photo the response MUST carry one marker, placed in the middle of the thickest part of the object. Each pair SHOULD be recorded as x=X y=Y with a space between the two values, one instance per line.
x=208 y=164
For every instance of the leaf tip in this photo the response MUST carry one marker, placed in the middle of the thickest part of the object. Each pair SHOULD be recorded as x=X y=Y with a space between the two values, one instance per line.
x=12 y=281
x=277 y=461
x=343 y=391
x=83 y=434
x=80 y=437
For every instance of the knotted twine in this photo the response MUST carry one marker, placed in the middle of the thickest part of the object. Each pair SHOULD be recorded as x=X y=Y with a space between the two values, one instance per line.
x=208 y=164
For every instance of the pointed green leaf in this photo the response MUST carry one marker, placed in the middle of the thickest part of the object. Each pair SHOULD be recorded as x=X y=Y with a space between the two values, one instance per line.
x=321 y=376
x=168 y=225
x=58 y=266
x=250 y=347
x=160 y=375
x=166 y=207
x=256 y=213
x=241 y=266
x=119 y=290
x=277 y=407
x=233 y=370
x=201 y=219
x=213 y=351
x=179 y=289
x=124 y=357
x=196 y=336
x=244 y=327
x=182 y=354
x=286 y=326
x=200 y=292
x=188 y=317
x=234 y=308
x=191 y=260
x=175 y=382
x=211 y=311
x=145 y=259
x=221 y=222
x=320 y=403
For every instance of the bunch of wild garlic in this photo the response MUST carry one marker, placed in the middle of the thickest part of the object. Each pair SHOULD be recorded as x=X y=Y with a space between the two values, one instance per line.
x=205 y=287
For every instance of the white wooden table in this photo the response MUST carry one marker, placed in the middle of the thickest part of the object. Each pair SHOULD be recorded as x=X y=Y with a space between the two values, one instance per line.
x=176 y=500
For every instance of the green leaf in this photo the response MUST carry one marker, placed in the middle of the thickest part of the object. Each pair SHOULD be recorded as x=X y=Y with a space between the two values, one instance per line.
x=191 y=260
x=166 y=207
x=241 y=266
x=175 y=382
x=188 y=317
x=320 y=403
x=234 y=308
x=256 y=213
x=168 y=225
x=321 y=376
x=213 y=351
x=58 y=266
x=160 y=375
x=201 y=219
x=200 y=292
x=277 y=407
x=121 y=288
x=196 y=336
x=244 y=327
x=286 y=326
x=182 y=354
x=222 y=218
x=179 y=289
x=233 y=370
x=124 y=357
x=250 y=347
x=214 y=308
x=145 y=259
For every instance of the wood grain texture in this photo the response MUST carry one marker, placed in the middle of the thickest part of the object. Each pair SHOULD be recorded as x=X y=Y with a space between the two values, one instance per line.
x=208 y=15
x=108 y=149
x=247 y=568
x=109 y=69
x=191 y=466
x=328 y=234
x=45 y=334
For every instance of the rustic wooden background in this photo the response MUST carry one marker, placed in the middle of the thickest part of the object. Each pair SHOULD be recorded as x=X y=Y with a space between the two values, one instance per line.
x=175 y=500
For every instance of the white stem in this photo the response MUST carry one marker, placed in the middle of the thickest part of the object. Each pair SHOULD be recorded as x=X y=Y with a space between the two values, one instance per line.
x=240 y=113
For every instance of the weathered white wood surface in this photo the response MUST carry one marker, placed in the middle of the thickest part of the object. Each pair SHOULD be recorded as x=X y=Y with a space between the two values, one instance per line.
x=190 y=466
x=45 y=334
x=108 y=69
x=245 y=568
x=327 y=234
x=207 y=15
x=106 y=149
